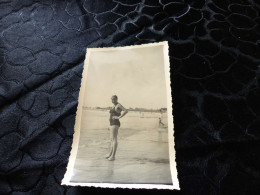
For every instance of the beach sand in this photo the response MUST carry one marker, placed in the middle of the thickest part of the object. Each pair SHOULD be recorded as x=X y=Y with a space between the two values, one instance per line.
x=142 y=155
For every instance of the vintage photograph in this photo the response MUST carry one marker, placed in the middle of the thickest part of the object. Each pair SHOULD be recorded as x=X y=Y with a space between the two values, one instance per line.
x=124 y=124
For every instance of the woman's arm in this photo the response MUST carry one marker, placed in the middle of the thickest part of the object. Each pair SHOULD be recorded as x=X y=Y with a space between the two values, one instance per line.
x=125 y=111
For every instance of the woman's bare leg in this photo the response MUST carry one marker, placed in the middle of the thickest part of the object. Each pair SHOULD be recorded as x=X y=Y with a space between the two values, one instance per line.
x=114 y=129
x=111 y=143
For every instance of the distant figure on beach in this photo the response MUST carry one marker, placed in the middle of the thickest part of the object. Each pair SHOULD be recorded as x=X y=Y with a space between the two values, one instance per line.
x=115 y=115
x=160 y=119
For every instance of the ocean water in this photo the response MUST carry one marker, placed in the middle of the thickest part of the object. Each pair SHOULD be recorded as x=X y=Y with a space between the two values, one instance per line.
x=142 y=155
x=95 y=125
x=97 y=119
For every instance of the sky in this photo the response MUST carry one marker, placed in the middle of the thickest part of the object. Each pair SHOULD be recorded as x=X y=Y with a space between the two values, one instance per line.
x=136 y=76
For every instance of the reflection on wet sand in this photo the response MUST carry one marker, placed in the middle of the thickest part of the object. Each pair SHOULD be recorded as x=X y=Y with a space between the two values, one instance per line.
x=142 y=155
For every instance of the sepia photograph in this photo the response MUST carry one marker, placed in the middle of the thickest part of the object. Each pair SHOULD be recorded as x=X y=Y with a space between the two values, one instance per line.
x=124 y=134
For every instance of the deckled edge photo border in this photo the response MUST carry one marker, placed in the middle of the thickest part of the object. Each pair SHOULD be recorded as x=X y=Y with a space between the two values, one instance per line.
x=76 y=136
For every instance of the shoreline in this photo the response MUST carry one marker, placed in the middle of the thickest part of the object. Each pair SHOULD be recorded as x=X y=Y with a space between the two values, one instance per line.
x=134 y=152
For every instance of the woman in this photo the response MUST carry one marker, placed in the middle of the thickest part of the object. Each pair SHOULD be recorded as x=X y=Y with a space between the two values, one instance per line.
x=115 y=115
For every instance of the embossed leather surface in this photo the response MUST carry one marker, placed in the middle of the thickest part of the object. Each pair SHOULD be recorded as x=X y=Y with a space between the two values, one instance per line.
x=215 y=57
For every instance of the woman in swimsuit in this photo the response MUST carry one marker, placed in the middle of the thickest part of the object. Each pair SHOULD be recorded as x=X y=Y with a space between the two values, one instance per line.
x=115 y=115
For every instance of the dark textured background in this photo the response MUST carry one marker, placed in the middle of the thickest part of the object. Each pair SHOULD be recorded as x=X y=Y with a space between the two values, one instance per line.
x=215 y=57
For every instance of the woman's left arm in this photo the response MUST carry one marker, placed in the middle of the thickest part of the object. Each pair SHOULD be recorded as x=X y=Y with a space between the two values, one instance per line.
x=125 y=111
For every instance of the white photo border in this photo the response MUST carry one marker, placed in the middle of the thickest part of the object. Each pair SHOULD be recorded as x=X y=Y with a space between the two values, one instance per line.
x=76 y=136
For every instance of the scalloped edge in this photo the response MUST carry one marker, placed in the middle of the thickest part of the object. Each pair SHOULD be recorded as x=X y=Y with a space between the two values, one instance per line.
x=76 y=135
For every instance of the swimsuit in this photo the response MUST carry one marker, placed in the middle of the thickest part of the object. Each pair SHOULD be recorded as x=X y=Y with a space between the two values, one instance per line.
x=113 y=112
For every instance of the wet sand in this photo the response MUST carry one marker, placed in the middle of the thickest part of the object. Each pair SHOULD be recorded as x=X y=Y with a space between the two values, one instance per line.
x=142 y=155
